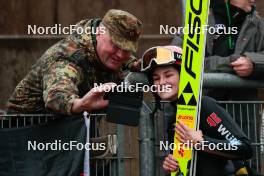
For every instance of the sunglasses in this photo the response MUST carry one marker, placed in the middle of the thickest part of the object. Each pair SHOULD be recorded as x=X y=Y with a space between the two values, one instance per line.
x=160 y=56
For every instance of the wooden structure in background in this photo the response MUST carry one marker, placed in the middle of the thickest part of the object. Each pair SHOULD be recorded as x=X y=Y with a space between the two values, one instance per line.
x=19 y=50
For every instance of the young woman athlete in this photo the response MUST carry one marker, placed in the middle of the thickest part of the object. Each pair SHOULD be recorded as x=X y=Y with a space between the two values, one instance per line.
x=162 y=66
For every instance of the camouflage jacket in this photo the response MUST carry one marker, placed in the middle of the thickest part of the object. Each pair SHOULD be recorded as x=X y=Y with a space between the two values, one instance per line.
x=66 y=71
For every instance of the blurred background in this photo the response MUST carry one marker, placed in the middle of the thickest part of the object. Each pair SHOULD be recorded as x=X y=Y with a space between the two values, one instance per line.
x=18 y=50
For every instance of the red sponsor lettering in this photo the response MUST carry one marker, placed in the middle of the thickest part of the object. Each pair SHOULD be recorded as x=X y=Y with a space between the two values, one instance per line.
x=181 y=150
x=213 y=120
x=210 y=121
x=185 y=117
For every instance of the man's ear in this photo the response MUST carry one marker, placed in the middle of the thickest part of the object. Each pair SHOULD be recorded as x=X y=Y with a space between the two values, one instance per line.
x=97 y=33
x=100 y=30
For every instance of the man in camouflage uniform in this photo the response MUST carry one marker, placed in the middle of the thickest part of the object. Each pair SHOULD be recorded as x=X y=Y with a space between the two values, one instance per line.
x=62 y=80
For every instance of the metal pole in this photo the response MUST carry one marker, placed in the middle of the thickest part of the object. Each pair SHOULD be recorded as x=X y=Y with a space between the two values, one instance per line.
x=146 y=143
x=183 y=11
x=120 y=151
x=227 y=80
x=211 y=80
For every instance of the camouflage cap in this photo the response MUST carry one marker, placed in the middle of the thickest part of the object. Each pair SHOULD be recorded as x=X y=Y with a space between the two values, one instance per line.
x=124 y=29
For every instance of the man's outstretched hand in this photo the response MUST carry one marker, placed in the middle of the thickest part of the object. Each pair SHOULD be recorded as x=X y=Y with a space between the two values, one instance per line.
x=93 y=100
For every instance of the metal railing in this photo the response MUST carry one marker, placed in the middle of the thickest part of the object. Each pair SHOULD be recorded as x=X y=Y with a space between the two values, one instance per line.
x=116 y=162
x=139 y=154
x=249 y=116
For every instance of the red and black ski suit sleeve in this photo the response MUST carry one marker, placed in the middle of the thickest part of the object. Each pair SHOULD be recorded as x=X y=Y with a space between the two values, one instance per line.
x=219 y=128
